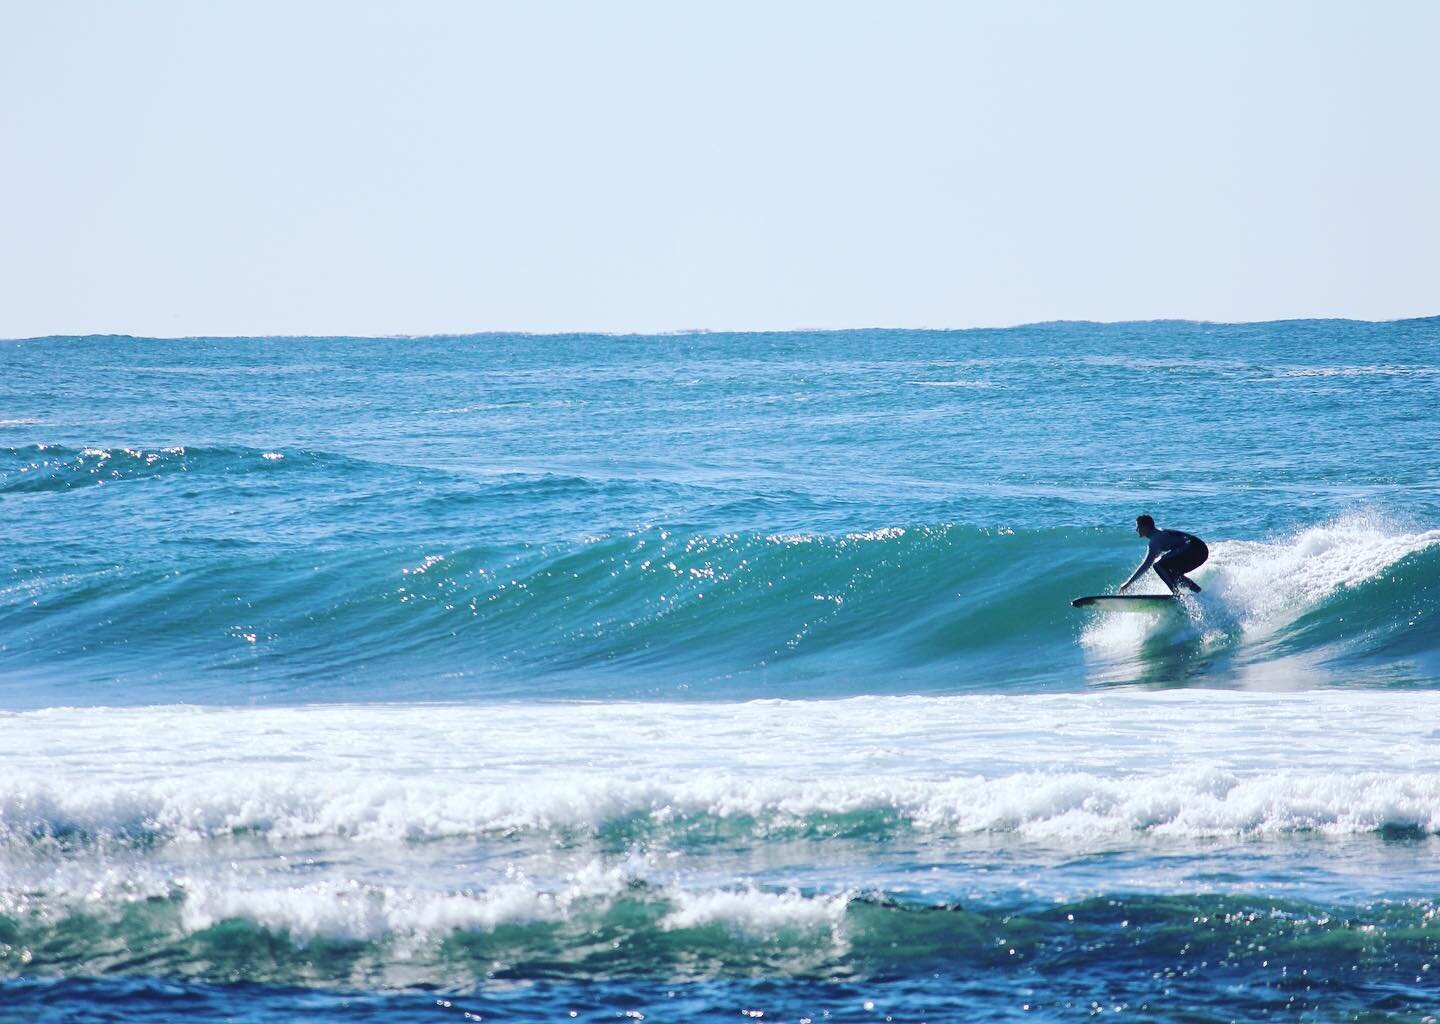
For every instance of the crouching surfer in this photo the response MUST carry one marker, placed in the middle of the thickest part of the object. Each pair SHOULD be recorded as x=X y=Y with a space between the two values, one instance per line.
x=1172 y=553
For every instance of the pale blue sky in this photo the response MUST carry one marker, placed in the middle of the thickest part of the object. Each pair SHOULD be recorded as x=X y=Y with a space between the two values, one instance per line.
x=362 y=168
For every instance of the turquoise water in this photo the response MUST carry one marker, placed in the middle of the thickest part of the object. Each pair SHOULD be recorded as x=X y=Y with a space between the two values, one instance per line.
x=704 y=674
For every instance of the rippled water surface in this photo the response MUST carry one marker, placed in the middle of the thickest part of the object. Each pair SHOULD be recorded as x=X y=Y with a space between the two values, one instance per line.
x=703 y=676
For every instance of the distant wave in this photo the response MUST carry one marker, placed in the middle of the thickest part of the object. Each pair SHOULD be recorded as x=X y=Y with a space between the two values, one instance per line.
x=38 y=468
x=47 y=467
x=1357 y=371
x=976 y=385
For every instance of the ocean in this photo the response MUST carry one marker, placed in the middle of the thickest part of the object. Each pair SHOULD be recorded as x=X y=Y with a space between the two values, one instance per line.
x=720 y=677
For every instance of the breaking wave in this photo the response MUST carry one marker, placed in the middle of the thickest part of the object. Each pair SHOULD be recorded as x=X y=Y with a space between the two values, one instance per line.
x=390 y=936
x=642 y=613
x=1078 y=769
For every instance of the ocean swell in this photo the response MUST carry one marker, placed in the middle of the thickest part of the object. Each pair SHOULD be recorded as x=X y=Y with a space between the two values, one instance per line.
x=698 y=614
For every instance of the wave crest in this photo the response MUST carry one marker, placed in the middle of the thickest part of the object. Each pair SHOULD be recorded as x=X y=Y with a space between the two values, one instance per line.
x=46 y=467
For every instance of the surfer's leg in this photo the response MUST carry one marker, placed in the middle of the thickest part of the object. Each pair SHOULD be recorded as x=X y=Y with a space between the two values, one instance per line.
x=1173 y=567
x=1195 y=555
x=1169 y=576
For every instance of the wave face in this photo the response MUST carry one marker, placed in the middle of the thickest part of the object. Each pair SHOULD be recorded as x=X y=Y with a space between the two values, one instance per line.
x=706 y=676
x=717 y=616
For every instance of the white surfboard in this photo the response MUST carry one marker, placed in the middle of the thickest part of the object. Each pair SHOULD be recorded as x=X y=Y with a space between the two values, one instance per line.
x=1126 y=602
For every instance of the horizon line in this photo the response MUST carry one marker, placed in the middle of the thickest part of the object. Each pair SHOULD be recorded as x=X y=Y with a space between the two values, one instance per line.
x=697 y=331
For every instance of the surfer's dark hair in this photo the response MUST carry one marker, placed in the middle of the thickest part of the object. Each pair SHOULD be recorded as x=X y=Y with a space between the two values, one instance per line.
x=1144 y=520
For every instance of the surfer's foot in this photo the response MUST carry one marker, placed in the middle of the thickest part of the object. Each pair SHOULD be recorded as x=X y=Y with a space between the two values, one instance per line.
x=1187 y=581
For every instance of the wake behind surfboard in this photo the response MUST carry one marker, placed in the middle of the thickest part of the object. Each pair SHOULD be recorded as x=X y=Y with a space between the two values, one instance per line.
x=1125 y=602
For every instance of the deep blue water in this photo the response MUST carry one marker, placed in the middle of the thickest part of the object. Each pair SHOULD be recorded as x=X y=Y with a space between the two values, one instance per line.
x=698 y=674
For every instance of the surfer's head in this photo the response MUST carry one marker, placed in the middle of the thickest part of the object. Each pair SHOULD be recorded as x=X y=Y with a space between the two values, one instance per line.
x=1144 y=525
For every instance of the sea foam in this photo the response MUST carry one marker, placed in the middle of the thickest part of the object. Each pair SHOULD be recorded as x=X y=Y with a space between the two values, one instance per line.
x=1079 y=767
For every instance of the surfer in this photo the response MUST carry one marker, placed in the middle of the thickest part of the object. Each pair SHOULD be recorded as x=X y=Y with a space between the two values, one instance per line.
x=1172 y=553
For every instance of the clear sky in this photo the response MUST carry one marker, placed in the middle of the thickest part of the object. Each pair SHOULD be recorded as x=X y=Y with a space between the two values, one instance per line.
x=415 y=167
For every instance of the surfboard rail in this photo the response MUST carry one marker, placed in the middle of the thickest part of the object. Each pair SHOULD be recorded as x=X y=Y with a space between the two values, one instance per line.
x=1135 y=602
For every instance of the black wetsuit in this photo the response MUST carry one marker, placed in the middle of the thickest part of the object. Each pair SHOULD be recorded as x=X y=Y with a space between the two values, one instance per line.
x=1173 y=553
x=1177 y=561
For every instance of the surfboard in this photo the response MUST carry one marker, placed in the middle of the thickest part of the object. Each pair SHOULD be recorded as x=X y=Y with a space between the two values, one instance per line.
x=1125 y=602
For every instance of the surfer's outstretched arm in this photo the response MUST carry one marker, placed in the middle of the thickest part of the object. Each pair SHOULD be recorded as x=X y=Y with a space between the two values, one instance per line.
x=1149 y=558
